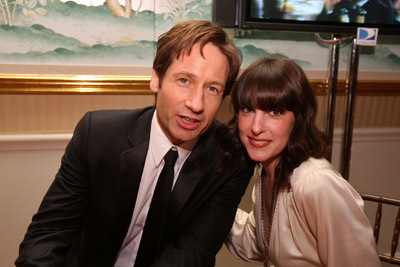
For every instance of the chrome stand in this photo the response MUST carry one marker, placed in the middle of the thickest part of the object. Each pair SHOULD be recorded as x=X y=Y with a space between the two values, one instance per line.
x=350 y=106
x=332 y=89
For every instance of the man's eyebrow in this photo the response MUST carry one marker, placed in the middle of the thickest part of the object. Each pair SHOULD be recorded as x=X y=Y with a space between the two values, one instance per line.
x=185 y=73
x=191 y=75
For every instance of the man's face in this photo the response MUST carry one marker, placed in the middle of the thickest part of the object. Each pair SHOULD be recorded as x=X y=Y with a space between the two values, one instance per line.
x=191 y=93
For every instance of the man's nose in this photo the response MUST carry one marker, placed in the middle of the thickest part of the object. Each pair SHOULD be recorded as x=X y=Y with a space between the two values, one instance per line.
x=195 y=100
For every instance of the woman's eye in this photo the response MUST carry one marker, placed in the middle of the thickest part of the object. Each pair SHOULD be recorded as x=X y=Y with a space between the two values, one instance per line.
x=275 y=112
x=247 y=110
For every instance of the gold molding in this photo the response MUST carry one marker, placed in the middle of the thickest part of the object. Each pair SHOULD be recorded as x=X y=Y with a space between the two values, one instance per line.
x=139 y=85
x=319 y=86
x=74 y=84
x=376 y=88
x=364 y=87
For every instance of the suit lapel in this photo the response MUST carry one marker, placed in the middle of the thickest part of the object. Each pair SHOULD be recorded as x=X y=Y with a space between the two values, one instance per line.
x=188 y=179
x=192 y=171
x=131 y=167
x=132 y=162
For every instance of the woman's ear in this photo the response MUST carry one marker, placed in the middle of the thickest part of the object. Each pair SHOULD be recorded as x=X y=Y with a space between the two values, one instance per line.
x=154 y=82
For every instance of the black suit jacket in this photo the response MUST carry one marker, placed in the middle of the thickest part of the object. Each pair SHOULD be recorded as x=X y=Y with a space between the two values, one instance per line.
x=85 y=215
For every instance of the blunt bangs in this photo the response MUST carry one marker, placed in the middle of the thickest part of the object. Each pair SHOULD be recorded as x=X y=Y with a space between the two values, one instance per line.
x=263 y=90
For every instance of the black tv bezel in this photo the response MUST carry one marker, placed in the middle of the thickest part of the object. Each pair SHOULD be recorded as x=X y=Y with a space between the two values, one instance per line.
x=241 y=11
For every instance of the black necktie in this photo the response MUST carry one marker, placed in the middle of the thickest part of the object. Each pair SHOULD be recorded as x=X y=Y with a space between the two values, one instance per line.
x=149 y=244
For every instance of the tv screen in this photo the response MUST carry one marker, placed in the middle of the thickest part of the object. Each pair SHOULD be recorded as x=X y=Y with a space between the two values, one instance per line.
x=328 y=16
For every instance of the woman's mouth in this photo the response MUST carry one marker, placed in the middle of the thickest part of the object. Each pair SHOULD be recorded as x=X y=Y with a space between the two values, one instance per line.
x=259 y=142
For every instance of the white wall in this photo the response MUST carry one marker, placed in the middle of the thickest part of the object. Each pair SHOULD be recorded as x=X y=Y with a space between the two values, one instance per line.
x=28 y=164
x=27 y=167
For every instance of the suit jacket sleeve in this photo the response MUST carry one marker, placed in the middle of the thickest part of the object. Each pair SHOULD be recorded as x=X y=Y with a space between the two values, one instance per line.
x=208 y=218
x=61 y=212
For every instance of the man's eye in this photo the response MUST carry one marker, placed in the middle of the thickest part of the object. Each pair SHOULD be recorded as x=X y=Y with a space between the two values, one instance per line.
x=183 y=80
x=213 y=89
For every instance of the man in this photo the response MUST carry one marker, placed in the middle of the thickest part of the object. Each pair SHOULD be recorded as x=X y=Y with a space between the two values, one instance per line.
x=98 y=211
x=358 y=11
x=396 y=7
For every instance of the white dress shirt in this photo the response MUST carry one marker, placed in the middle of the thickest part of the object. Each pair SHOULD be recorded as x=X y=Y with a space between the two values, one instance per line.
x=159 y=145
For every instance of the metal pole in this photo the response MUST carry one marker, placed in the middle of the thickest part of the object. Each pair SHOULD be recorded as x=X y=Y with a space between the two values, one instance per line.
x=332 y=89
x=350 y=105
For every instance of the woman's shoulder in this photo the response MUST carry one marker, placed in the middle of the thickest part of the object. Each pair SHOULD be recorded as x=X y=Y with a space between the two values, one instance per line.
x=314 y=173
x=317 y=179
x=312 y=167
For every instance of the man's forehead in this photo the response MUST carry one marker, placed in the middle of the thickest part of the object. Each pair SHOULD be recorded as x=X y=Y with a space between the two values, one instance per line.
x=197 y=47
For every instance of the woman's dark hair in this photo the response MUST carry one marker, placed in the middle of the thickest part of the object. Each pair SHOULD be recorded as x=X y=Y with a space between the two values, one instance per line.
x=276 y=84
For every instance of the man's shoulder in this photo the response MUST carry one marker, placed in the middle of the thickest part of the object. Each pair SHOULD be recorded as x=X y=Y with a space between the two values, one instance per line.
x=208 y=138
x=208 y=143
x=118 y=113
x=116 y=120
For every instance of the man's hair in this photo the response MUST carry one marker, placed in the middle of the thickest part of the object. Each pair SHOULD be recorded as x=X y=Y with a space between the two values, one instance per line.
x=179 y=41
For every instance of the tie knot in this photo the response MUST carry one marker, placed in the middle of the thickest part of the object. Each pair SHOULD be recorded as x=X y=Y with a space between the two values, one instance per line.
x=170 y=158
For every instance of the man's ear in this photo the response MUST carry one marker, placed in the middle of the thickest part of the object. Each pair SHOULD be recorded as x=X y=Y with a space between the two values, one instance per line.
x=154 y=82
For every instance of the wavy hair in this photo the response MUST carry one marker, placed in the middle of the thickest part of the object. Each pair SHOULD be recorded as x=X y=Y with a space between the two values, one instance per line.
x=180 y=39
x=276 y=84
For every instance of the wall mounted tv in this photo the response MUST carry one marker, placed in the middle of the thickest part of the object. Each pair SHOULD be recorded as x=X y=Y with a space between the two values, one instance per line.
x=318 y=16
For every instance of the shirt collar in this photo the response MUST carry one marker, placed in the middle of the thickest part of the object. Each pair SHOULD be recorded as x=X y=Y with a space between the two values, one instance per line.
x=160 y=144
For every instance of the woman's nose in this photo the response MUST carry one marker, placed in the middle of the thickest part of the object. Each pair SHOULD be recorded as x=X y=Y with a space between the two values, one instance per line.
x=259 y=123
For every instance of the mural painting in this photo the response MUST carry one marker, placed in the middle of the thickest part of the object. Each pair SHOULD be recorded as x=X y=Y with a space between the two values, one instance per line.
x=113 y=33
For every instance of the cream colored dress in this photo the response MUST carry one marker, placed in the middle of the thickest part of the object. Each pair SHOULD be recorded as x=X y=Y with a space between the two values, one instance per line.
x=319 y=222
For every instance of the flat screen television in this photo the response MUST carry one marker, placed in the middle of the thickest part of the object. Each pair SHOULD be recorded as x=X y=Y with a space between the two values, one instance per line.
x=318 y=16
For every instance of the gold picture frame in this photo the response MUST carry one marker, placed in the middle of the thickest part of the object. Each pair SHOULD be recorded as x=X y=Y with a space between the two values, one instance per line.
x=74 y=84
x=139 y=85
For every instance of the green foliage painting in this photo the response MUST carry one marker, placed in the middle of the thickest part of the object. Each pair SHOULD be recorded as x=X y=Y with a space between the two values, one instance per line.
x=116 y=33
x=56 y=32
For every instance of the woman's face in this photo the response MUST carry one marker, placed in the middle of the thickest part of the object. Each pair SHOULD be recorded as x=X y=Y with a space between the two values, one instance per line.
x=265 y=134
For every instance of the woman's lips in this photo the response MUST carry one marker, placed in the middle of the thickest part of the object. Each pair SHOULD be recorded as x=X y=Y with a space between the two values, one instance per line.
x=258 y=142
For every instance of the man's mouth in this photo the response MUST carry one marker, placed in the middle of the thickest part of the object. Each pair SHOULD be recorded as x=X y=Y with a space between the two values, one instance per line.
x=188 y=123
x=188 y=120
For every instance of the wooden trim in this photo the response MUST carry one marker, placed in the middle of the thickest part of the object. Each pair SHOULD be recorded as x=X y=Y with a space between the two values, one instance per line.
x=364 y=87
x=139 y=85
x=373 y=88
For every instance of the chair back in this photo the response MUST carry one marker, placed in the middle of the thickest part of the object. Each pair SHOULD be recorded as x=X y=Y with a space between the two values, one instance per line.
x=380 y=200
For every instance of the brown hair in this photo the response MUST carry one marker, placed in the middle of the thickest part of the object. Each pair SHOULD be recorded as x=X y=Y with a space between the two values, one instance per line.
x=180 y=39
x=278 y=84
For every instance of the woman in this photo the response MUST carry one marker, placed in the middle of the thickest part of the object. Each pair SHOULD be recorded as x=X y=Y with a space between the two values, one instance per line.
x=304 y=213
